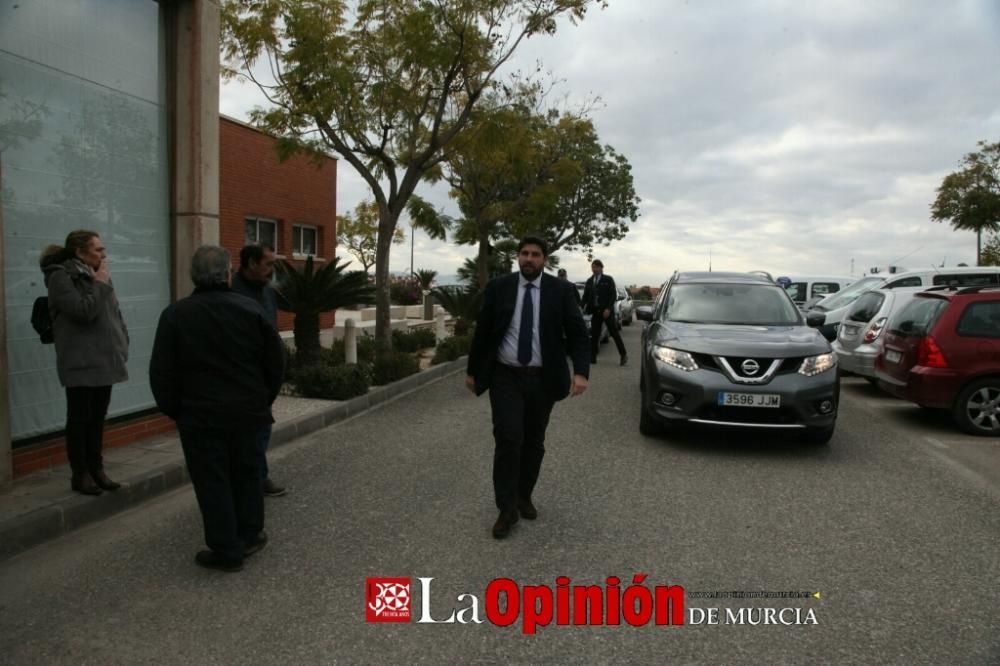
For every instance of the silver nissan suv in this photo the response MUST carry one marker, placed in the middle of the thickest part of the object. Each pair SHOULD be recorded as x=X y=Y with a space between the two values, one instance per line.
x=732 y=349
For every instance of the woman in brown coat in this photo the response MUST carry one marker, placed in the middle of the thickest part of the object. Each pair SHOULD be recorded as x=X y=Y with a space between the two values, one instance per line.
x=91 y=349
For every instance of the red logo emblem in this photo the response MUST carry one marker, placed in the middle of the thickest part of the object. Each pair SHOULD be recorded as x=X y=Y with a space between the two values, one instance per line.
x=387 y=599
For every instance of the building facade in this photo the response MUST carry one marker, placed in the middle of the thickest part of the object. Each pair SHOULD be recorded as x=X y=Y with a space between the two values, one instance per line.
x=290 y=205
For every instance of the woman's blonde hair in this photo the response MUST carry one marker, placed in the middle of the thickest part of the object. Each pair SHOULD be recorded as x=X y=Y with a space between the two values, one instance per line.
x=76 y=240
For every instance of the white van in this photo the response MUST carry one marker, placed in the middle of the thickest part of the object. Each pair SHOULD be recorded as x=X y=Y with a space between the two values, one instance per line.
x=804 y=289
x=828 y=313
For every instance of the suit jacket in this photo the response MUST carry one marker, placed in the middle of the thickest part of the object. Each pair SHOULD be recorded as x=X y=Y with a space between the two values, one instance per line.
x=606 y=294
x=560 y=324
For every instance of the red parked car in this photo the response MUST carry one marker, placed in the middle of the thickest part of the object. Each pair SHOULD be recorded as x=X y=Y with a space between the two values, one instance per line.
x=943 y=350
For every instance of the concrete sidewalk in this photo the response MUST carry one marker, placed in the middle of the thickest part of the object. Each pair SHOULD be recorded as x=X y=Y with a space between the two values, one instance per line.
x=41 y=506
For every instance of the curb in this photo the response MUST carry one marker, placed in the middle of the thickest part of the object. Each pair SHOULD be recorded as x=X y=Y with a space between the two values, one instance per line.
x=66 y=515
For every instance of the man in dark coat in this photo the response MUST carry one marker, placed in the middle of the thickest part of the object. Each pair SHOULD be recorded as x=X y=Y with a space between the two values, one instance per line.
x=253 y=280
x=599 y=296
x=518 y=355
x=216 y=367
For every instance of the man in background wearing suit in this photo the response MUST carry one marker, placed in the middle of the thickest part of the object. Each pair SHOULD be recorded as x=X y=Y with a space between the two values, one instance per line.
x=599 y=296
x=518 y=355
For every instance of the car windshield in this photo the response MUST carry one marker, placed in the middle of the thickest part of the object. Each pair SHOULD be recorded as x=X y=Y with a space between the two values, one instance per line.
x=917 y=317
x=866 y=307
x=752 y=304
x=849 y=294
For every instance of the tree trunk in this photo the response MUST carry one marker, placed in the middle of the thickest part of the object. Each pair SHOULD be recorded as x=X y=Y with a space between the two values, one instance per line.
x=979 y=247
x=306 y=339
x=386 y=228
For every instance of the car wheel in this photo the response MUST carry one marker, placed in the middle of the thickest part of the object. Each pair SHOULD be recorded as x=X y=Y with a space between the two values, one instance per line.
x=977 y=408
x=819 y=436
x=648 y=424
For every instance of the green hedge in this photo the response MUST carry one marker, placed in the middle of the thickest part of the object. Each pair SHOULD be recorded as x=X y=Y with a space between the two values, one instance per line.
x=413 y=340
x=331 y=382
x=452 y=348
x=394 y=366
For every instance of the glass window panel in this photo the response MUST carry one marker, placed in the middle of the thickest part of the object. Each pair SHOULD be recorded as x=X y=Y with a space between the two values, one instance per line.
x=84 y=124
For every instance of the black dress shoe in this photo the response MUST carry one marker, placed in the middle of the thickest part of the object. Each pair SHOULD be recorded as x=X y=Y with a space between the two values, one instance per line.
x=501 y=528
x=83 y=484
x=624 y=359
x=102 y=481
x=271 y=489
x=255 y=545
x=212 y=560
x=527 y=509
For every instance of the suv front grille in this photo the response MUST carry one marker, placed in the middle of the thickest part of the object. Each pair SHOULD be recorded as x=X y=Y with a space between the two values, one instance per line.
x=781 y=416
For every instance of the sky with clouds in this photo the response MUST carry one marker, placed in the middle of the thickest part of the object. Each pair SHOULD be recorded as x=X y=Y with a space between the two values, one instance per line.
x=795 y=137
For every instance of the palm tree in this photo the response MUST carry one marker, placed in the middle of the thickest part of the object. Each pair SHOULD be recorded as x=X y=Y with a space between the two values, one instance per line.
x=462 y=303
x=308 y=293
x=426 y=277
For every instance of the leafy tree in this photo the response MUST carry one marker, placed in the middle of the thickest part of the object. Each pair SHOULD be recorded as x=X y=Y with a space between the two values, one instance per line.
x=970 y=198
x=358 y=234
x=584 y=195
x=387 y=85
x=309 y=292
x=991 y=252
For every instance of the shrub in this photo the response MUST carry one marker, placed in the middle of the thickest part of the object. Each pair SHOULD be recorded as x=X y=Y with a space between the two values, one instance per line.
x=329 y=382
x=405 y=291
x=393 y=366
x=452 y=348
x=414 y=340
x=366 y=350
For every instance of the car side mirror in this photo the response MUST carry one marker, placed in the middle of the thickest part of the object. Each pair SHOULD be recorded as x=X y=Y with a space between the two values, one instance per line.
x=815 y=319
x=644 y=313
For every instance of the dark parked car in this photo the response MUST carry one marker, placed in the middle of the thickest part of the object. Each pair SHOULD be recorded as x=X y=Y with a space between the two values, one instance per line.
x=943 y=350
x=733 y=349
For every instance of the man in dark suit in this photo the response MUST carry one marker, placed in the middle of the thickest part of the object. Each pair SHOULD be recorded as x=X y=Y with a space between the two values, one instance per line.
x=518 y=355
x=599 y=296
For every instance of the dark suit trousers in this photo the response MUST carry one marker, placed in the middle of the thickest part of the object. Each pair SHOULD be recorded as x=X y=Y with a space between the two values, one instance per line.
x=596 y=321
x=86 y=407
x=521 y=410
x=225 y=469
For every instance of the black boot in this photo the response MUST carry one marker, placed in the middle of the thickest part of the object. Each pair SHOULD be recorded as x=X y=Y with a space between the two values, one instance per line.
x=83 y=484
x=102 y=481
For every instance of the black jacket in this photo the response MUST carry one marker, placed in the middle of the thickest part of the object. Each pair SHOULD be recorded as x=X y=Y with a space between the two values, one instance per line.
x=262 y=293
x=217 y=361
x=603 y=297
x=559 y=319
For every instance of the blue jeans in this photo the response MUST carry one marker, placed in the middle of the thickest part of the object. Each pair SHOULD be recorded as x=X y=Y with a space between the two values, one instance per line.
x=263 y=439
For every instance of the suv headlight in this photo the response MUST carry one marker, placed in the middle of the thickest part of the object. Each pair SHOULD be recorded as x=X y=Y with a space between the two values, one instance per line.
x=679 y=359
x=814 y=365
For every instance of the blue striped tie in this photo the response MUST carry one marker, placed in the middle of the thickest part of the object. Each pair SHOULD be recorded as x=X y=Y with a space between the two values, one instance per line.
x=525 y=335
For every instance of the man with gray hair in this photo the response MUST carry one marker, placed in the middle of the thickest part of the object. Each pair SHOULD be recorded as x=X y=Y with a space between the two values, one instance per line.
x=216 y=368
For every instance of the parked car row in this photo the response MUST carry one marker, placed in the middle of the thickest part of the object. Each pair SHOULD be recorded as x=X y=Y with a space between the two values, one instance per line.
x=930 y=337
x=733 y=349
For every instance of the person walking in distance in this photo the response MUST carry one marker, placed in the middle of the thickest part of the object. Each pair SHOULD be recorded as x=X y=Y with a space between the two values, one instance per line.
x=599 y=296
x=561 y=274
x=253 y=280
x=91 y=349
x=216 y=367
x=517 y=354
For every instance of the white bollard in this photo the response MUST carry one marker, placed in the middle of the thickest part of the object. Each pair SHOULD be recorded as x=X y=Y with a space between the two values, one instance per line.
x=440 y=332
x=350 y=342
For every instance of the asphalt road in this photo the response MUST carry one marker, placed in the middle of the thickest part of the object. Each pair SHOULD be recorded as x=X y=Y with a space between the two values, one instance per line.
x=895 y=524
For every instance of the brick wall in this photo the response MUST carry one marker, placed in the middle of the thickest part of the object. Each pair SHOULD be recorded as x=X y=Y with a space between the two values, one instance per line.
x=253 y=183
x=53 y=452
